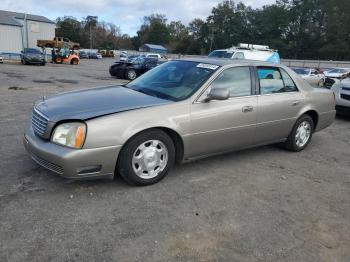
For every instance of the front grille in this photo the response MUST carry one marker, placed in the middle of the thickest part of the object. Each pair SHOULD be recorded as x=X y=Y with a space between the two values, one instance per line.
x=344 y=96
x=50 y=166
x=39 y=122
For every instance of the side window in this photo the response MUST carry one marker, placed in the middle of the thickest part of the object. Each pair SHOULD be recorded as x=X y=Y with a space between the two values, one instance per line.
x=288 y=82
x=272 y=81
x=236 y=79
x=238 y=55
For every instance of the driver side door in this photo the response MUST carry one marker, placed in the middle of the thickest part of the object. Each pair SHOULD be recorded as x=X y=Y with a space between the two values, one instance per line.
x=225 y=125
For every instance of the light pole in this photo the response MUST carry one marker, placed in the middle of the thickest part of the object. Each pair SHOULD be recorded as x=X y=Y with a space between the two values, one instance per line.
x=90 y=20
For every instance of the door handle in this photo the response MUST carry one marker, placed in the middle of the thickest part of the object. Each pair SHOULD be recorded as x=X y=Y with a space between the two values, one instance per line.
x=247 y=109
x=295 y=103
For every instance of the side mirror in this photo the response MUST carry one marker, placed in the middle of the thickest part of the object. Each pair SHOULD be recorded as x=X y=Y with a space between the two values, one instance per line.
x=218 y=94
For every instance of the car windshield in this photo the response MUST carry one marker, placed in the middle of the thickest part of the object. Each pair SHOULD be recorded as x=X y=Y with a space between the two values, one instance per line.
x=301 y=71
x=173 y=80
x=32 y=51
x=221 y=54
x=338 y=70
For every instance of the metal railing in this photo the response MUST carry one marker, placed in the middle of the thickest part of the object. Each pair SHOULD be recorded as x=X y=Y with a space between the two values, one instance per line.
x=315 y=63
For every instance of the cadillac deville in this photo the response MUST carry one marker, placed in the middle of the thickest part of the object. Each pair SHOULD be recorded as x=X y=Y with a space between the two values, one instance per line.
x=178 y=111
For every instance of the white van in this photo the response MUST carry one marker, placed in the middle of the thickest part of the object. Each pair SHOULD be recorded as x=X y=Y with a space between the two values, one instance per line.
x=248 y=51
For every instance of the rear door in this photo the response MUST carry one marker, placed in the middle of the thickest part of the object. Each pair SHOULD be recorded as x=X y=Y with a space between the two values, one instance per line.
x=218 y=126
x=278 y=104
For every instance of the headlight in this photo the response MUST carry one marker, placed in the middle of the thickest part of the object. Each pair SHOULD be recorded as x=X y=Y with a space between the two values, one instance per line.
x=70 y=134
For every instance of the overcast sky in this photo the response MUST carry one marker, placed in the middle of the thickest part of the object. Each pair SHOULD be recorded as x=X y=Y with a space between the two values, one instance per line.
x=127 y=14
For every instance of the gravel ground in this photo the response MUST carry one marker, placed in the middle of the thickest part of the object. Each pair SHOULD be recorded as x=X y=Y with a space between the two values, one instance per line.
x=263 y=204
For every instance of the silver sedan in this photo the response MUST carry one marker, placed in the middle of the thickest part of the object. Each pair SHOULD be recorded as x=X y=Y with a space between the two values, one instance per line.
x=178 y=111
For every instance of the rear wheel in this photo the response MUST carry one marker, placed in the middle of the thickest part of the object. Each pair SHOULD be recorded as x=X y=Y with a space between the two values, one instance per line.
x=131 y=74
x=74 y=61
x=301 y=134
x=146 y=158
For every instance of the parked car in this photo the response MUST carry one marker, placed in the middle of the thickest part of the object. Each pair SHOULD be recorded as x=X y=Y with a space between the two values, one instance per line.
x=123 y=57
x=178 y=111
x=1 y=59
x=337 y=73
x=153 y=55
x=341 y=89
x=83 y=55
x=93 y=55
x=32 y=56
x=311 y=75
x=132 y=68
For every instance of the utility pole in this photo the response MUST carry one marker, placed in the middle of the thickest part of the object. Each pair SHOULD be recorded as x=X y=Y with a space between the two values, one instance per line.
x=91 y=19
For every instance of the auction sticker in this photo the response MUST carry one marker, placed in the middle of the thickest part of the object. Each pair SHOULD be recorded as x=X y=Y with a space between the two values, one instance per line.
x=208 y=66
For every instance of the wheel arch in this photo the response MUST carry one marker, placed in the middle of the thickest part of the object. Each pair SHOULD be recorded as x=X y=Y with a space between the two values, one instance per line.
x=313 y=114
x=174 y=135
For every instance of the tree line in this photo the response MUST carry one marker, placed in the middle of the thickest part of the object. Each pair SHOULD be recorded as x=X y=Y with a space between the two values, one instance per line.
x=299 y=29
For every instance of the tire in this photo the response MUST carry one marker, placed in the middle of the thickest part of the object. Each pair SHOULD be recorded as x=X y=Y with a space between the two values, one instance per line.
x=130 y=74
x=23 y=62
x=58 y=60
x=137 y=169
x=74 y=61
x=43 y=63
x=306 y=125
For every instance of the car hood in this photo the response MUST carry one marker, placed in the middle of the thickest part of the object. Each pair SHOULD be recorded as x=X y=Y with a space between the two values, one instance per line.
x=91 y=103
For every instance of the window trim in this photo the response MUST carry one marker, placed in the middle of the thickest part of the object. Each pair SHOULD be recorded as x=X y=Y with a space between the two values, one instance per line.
x=279 y=70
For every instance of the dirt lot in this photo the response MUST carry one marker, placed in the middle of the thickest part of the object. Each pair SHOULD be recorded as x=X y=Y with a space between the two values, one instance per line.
x=263 y=204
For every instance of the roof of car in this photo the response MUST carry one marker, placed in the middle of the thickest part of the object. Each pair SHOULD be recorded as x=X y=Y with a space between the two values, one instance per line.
x=228 y=61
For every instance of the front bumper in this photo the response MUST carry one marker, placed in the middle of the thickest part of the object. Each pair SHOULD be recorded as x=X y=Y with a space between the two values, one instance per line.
x=71 y=163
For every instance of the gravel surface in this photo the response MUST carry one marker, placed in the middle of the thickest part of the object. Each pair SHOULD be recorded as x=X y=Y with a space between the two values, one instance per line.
x=263 y=204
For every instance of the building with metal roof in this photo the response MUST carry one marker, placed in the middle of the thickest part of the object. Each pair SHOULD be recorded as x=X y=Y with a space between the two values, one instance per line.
x=20 y=30
x=159 y=49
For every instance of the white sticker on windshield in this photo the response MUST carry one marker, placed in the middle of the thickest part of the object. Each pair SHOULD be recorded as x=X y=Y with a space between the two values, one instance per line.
x=208 y=66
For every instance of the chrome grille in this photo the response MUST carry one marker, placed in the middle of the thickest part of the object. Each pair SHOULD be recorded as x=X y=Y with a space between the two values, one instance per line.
x=39 y=122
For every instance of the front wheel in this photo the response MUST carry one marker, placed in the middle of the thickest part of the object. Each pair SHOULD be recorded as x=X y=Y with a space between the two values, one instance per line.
x=146 y=158
x=58 y=60
x=301 y=134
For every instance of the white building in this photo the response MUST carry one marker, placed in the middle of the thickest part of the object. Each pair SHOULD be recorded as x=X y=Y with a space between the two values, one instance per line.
x=19 y=30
